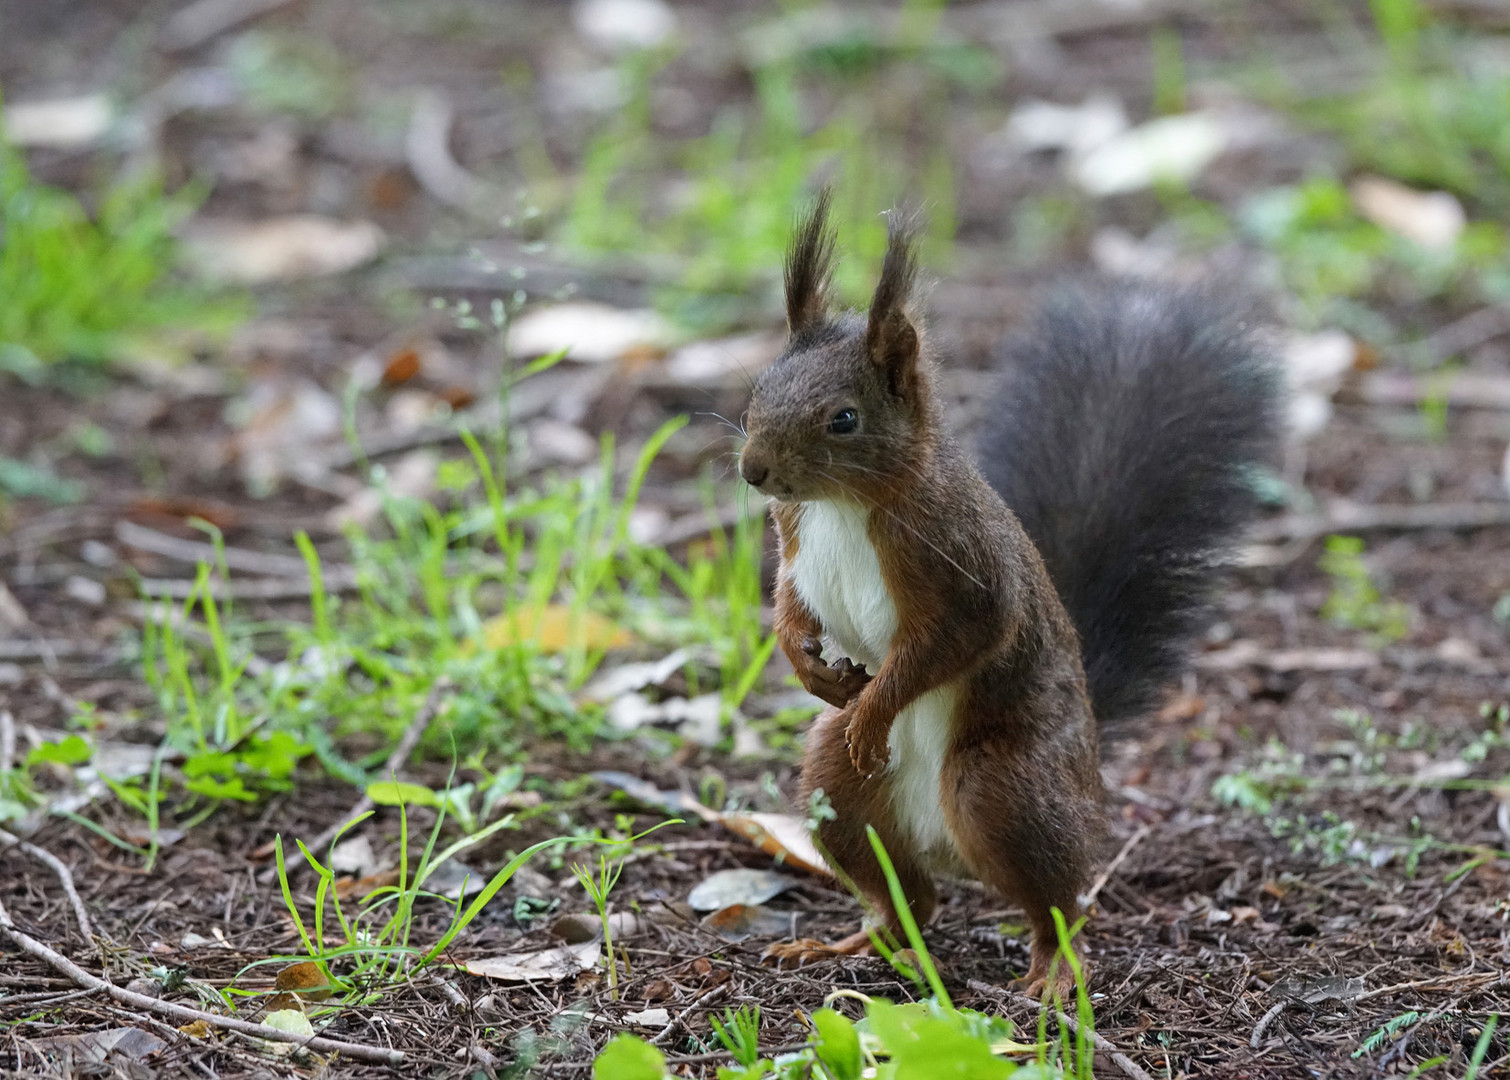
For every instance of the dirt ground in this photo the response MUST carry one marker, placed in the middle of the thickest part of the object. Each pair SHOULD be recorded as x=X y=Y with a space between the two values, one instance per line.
x=1224 y=943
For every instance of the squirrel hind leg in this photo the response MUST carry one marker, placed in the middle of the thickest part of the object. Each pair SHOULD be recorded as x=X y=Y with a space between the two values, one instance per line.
x=1029 y=845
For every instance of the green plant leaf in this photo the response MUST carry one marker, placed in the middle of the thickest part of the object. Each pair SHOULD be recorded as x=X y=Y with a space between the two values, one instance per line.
x=838 y=1045
x=72 y=750
x=629 y=1058
x=396 y=792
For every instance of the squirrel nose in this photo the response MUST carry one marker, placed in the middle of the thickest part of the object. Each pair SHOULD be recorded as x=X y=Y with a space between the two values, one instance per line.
x=754 y=472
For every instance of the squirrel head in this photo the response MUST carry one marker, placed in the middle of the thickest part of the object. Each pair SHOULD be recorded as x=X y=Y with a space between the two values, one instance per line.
x=847 y=410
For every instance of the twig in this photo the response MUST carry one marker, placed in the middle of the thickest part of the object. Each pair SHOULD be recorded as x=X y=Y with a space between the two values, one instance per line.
x=1122 y=1061
x=204 y=20
x=1111 y=868
x=197 y=551
x=1440 y=982
x=65 y=876
x=427 y=150
x=1461 y=390
x=61 y=964
x=332 y=578
x=1351 y=517
x=7 y=741
x=1263 y=1024
x=1243 y=654
x=679 y=1021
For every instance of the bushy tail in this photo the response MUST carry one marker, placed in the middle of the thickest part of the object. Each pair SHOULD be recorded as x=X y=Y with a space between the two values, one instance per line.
x=1123 y=436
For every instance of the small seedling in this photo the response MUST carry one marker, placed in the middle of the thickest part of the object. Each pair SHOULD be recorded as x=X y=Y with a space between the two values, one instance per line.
x=1355 y=600
x=598 y=886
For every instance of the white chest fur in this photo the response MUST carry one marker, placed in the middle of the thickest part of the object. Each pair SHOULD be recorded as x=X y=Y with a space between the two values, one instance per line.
x=837 y=575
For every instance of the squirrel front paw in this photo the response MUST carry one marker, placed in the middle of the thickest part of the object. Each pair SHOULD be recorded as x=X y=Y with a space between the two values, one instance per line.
x=868 y=749
x=837 y=683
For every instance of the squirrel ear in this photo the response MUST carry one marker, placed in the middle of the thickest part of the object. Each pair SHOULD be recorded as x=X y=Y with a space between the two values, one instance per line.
x=891 y=341
x=809 y=266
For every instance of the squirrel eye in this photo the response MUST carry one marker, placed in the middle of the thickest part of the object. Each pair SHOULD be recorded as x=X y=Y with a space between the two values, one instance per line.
x=844 y=422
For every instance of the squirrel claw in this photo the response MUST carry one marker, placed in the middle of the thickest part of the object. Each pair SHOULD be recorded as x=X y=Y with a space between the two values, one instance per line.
x=868 y=751
x=794 y=954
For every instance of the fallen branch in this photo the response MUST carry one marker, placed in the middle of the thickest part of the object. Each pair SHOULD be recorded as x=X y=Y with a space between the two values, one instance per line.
x=332 y=578
x=428 y=152
x=1464 y=390
x=1243 y=654
x=198 y=551
x=65 y=876
x=1122 y=1061
x=183 y=1013
x=1345 y=517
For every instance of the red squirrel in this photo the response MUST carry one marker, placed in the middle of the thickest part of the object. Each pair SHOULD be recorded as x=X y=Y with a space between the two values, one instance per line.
x=987 y=618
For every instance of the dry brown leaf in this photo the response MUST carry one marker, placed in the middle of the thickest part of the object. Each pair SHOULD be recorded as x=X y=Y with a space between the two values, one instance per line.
x=401 y=367
x=304 y=978
x=553 y=628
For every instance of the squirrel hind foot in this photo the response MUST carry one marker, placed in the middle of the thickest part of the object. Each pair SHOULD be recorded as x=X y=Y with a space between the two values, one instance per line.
x=804 y=951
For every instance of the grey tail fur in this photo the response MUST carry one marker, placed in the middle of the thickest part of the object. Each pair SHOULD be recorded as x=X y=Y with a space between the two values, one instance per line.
x=1124 y=436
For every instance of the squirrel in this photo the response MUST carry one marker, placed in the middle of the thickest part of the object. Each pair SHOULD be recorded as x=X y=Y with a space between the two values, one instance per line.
x=991 y=616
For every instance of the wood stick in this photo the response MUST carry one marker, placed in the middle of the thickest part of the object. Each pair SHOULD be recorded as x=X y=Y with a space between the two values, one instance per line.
x=1345 y=517
x=198 y=551
x=32 y=947
x=1122 y=1061
x=1111 y=868
x=65 y=876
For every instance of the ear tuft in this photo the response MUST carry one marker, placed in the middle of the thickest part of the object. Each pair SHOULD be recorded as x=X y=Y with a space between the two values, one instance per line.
x=810 y=266
x=891 y=340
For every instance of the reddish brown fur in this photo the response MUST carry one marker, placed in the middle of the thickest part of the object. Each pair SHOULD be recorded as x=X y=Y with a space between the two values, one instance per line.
x=1020 y=788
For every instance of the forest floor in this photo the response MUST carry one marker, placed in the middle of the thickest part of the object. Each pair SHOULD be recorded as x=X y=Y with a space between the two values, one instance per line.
x=1311 y=874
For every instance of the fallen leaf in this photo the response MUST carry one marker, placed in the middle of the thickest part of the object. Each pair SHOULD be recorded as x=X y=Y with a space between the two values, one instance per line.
x=1078 y=129
x=454 y=880
x=60 y=124
x=279 y=424
x=279 y=248
x=546 y=965
x=648 y=1018
x=1170 y=148
x=292 y=1021
x=353 y=856
x=585 y=926
x=730 y=361
x=739 y=921
x=784 y=837
x=742 y=886
x=625 y=678
x=1432 y=219
x=624 y=25
x=553 y=629
x=95 y=1047
x=698 y=719
x=304 y=978
x=401 y=367
x=589 y=333
x=1314 y=989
